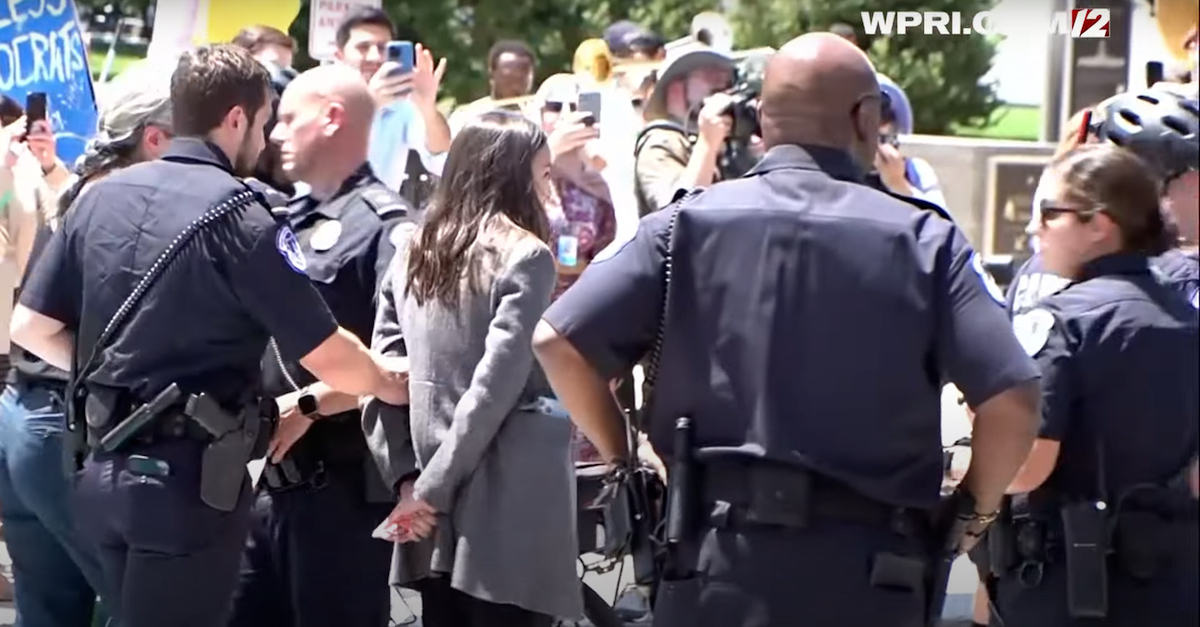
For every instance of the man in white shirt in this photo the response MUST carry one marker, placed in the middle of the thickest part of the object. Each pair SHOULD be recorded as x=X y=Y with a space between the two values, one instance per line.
x=408 y=118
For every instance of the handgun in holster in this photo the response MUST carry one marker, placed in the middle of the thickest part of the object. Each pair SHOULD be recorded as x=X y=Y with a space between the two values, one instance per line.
x=223 y=468
x=950 y=527
x=1086 y=546
x=682 y=501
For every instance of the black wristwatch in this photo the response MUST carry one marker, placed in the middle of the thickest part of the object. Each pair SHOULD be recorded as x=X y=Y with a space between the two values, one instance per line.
x=307 y=404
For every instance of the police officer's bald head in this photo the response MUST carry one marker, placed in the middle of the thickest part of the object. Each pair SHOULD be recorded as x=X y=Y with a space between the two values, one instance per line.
x=819 y=89
x=324 y=125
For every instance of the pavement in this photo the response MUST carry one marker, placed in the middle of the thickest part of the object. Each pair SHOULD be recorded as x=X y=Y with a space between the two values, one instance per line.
x=406 y=608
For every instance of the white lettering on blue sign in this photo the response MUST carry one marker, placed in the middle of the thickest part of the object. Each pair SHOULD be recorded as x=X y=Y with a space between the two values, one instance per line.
x=289 y=247
x=42 y=50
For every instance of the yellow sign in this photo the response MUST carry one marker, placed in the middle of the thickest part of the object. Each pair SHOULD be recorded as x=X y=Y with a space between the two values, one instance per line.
x=1175 y=18
x=227 y=17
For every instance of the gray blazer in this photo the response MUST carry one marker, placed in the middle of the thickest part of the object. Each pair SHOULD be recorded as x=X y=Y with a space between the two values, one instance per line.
x=502 y=476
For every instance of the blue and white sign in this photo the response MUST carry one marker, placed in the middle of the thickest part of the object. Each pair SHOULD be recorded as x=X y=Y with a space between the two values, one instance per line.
x=42 y=49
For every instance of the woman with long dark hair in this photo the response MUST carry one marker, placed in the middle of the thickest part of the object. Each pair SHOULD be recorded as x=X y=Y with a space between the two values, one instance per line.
x=487 y=526
x=1120 y=356
x=56 y=572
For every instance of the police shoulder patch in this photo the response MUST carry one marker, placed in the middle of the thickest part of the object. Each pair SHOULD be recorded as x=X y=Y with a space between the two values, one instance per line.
x=993 y=289
x=289 y=246
x=1032 y=329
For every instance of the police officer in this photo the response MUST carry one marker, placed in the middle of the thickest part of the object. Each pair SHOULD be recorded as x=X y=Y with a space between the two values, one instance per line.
x=1120 y=357
x=805 y=322
x=310 y=559
x=1163 y=128
x=159 y=292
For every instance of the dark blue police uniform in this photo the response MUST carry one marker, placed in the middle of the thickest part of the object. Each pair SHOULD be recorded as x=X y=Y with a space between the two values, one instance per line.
x=169 y=556
x=1180 y=269
x=809 y=323
x=1176 y=268
x=1030 y=285
x=310 y=559
x=1120 y=358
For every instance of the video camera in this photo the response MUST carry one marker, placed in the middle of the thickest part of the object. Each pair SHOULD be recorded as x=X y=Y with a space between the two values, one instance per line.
x=746 y=90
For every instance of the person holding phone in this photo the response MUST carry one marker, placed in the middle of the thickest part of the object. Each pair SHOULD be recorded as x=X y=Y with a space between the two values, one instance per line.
x=405 y=90
x=907 y=176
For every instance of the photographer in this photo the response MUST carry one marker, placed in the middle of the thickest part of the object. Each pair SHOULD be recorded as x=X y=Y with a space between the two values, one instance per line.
x=666 y=159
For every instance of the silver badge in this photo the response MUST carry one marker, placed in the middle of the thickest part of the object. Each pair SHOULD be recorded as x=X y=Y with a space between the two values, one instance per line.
x=326 y=235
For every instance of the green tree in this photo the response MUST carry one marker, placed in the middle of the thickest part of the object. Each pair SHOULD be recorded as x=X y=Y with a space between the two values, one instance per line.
x=464 y=30
x=943 y=76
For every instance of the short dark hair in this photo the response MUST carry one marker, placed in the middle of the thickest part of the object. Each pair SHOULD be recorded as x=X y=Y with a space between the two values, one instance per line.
x=510 y=46
x=363 y=16
x=1108 y=179
x=10 y=110
x=210 y=81
x=253 y=38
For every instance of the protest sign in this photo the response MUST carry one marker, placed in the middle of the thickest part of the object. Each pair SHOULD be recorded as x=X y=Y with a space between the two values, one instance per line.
x=42 y=49
x=181 y=24
x=324 y=17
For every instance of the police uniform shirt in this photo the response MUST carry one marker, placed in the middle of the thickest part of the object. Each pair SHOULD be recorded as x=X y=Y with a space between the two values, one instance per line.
x=1030 y=285
x=812 y=320
x=1120 y=358
x=1180 y=270
x=347 y=242
x=205 y=323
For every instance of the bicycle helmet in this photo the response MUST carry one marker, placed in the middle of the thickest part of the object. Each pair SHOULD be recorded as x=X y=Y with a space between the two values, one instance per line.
x=1160 y=126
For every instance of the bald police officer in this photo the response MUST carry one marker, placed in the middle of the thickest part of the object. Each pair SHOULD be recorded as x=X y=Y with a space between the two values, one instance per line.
x=160 y=292
x=310 y=559
x=807 y=322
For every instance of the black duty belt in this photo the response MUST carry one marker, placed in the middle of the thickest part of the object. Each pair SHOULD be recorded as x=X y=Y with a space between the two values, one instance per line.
x=772 y=494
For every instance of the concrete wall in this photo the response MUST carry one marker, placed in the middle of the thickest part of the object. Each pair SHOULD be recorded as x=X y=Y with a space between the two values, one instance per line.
x=988 y=183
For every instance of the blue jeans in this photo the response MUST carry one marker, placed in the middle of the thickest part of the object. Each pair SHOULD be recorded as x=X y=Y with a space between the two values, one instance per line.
x=52 y=566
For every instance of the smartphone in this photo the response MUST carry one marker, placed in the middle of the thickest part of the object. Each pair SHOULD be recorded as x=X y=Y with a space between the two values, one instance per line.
x=589 y=103
x=35 y=110
x=1155 y=73
x=402 y=53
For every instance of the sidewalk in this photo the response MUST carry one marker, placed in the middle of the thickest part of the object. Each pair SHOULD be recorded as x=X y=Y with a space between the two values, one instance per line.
x=405 y=611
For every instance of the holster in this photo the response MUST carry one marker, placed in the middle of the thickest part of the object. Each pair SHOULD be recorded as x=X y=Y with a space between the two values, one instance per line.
x=223 y=466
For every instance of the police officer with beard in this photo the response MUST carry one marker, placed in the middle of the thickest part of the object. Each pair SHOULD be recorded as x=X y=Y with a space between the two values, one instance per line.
x=159 y=293
x=310 y=559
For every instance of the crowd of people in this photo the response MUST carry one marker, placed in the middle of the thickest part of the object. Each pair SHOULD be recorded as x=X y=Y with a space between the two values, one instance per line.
x=423 y=324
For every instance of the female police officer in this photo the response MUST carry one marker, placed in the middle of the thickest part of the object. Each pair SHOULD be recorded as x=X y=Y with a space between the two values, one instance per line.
x=1119 y=355
x=1162 y=128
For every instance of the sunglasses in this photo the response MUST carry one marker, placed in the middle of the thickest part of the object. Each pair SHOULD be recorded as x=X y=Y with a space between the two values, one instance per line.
x=1050 y=210
x=554 y=106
